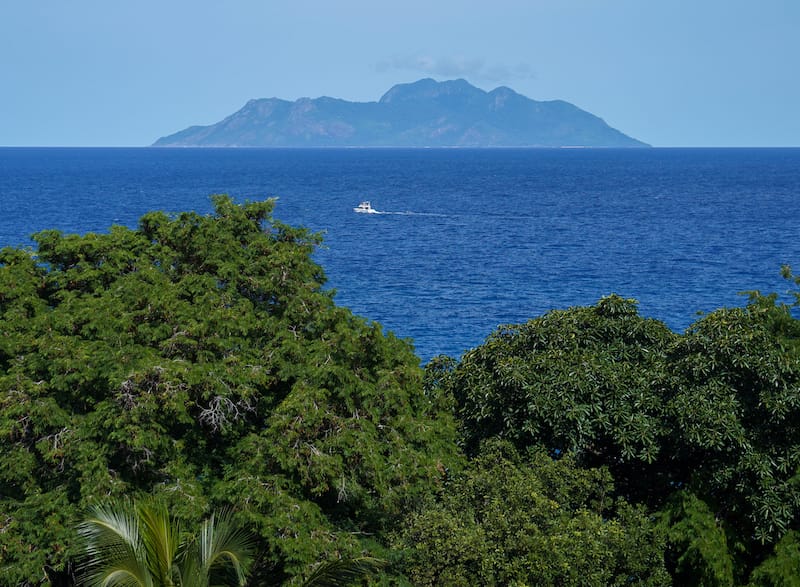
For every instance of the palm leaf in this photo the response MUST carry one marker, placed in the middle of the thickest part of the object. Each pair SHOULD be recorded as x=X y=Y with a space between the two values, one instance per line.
x=343 y=572
x=220 y=544
x=113 y=549
x=160 y=537
x=128 y=545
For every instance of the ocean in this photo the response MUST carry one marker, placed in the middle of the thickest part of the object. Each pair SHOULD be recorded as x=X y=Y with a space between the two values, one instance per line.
x=469 y=239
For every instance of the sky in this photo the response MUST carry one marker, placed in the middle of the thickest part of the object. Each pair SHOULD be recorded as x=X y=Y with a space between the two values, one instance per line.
x=672 y=73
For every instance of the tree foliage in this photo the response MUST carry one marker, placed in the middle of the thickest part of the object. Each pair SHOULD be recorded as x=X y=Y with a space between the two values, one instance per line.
x=698 y=551
x=513 y=520
x=141 y=545
x=200 y=359
x=584 y=381
x=782 y=568
x=735 y=417
x=715 y=412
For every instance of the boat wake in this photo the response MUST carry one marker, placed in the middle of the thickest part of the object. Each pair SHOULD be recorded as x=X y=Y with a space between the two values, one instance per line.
x=366 y=208
x=409 y=213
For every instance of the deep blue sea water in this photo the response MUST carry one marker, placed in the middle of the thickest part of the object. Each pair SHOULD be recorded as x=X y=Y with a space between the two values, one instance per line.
x=476 y=237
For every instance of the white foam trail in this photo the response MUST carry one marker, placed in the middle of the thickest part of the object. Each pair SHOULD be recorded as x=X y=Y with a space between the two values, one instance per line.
x=409 y=213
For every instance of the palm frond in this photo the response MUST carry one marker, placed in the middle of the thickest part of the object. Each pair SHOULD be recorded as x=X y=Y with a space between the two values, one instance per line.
x=117 y=577
x=160 y=538
x=343 y=572
x=111 y=523
x=127 y=545
x=220 y=543
x=113 y=550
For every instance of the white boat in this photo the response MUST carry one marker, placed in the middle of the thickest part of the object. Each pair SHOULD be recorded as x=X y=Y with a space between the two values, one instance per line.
x=365 y=208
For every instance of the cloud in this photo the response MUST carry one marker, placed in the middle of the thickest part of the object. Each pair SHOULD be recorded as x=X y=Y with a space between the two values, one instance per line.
x=449 y=67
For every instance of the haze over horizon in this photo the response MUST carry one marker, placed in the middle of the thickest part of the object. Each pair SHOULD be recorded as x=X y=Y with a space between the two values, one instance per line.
x=92 y=73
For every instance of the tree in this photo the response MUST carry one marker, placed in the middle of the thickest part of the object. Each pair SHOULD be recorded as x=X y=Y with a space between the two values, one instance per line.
x=698 y=553
x=141 y=545
x=584 y=381
x=511 y=519
x=713 y=414
x=782 y=568
x=735 y=410
x=200 y=359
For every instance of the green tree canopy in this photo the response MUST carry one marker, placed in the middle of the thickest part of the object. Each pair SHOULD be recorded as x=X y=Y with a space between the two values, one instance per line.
x=199 y=358
x=584 y=381
x=734 y=410
x=532 y=520
x=714 y=412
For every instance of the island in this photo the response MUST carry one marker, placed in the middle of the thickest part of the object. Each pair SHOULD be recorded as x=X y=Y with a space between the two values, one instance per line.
x=425 y=113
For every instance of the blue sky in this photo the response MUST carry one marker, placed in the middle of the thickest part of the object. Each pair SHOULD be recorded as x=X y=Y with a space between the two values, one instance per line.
x=671 y=73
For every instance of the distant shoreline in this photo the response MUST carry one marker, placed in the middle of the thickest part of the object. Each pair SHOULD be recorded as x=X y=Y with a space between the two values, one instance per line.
x=398 y=148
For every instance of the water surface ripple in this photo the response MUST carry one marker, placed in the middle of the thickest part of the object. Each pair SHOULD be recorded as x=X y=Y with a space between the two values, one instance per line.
x=474 y=238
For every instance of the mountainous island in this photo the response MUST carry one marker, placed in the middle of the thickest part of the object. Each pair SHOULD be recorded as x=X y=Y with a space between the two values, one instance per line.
x=425 y=113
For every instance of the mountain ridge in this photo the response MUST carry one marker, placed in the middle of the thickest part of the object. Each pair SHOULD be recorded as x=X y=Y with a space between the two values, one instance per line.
x=424 y=113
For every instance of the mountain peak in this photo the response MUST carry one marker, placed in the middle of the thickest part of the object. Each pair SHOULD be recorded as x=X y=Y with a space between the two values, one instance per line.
x=428 y=88
x=424 y=113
